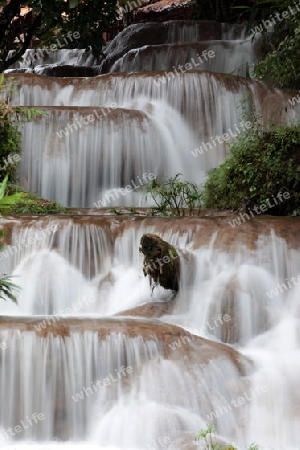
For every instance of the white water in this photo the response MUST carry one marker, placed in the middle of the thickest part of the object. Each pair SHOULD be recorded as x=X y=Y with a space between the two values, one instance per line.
x=157 y=130
x=91 y=163
x=85 y=269
x=224 y=57
x=35 y=57
x=161 y=399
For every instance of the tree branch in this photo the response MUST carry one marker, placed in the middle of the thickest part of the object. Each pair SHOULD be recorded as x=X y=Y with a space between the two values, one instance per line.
x=30 y=33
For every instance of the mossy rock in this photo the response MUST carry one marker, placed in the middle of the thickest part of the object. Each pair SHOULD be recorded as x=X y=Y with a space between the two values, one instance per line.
x=20 y=202
x=161 y=262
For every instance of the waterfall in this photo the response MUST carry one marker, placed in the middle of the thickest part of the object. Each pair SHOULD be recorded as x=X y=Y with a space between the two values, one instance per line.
x=90 y=356
x=79 y=271
x=224 y=57
x=81 y=163
x=84 y=161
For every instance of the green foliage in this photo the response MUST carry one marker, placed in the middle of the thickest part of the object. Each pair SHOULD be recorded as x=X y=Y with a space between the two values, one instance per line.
x=222 y=10
x=7 y=288
x=206 y=435
x=7 y=201
x=262 y=163
x=15 y=201
x=259 y=10
x=49 y=20
x=280 y=64
x=253 y=447
x=174 y=196
x=10 y=136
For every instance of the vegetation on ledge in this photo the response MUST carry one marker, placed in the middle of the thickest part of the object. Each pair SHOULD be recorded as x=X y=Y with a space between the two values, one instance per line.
x=13 y=200
x=56 y=24
x=281 y=63
x=10 y=135
x=174 y=197
x=263 y=164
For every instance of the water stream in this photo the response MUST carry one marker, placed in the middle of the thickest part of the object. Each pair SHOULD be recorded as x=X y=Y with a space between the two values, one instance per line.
x=89 y=357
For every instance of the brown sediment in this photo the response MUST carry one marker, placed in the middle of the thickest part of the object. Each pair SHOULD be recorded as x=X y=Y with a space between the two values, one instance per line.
x=201 y=229
x=273 y=103
x=194 y=347
x=99 y=113
x=232 y=82
x=165 y=10
x=152 y=309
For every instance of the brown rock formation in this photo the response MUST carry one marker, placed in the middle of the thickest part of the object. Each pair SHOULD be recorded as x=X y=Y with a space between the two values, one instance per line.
x=152 y=309
x=161 y=262
x=165 y=10
x=195 y=348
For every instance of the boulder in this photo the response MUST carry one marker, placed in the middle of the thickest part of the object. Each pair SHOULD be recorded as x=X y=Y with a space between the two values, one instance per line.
x=161 y=262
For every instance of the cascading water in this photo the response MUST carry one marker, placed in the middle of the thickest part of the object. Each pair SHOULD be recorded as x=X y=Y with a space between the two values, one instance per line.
x=71 y=358
x=82 y=165
x=84 y=359
x=215 y=56
x=82 y=161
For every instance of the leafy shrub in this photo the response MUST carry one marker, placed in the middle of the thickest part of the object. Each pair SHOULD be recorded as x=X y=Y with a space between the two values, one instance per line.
x=262 y=163
x=174 y=196
x=7 y=288
x=13 y=200
x=206 y=436
x=10 y=136
x=281 y=65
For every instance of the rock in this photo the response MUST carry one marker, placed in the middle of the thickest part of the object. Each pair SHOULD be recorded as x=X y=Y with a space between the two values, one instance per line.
x=139 y=35
x=161 y=262
x=56 y=70
x=163 y=10
x=151 y=309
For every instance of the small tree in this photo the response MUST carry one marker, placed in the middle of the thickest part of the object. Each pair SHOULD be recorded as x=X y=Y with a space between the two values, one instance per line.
x=10 y=136
x=7 y=288
x=262 y=163
x=23 y=20
x=174 y=196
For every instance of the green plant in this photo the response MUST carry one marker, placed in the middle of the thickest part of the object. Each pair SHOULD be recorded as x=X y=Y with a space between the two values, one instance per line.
x=262 y=162
x=10 y=136
x=7 y=289
x=7 y=201
x=15 y=201
x=207 y=436
x=174 y=196
x=281 y=65
x=75 y=23
x=280 y=48
x=253 y=447
x=132 y=210
x=116 y=211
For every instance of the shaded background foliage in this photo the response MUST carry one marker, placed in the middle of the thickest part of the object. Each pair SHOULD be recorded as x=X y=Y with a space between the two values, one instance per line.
x=46 y=20
x=261 y=163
